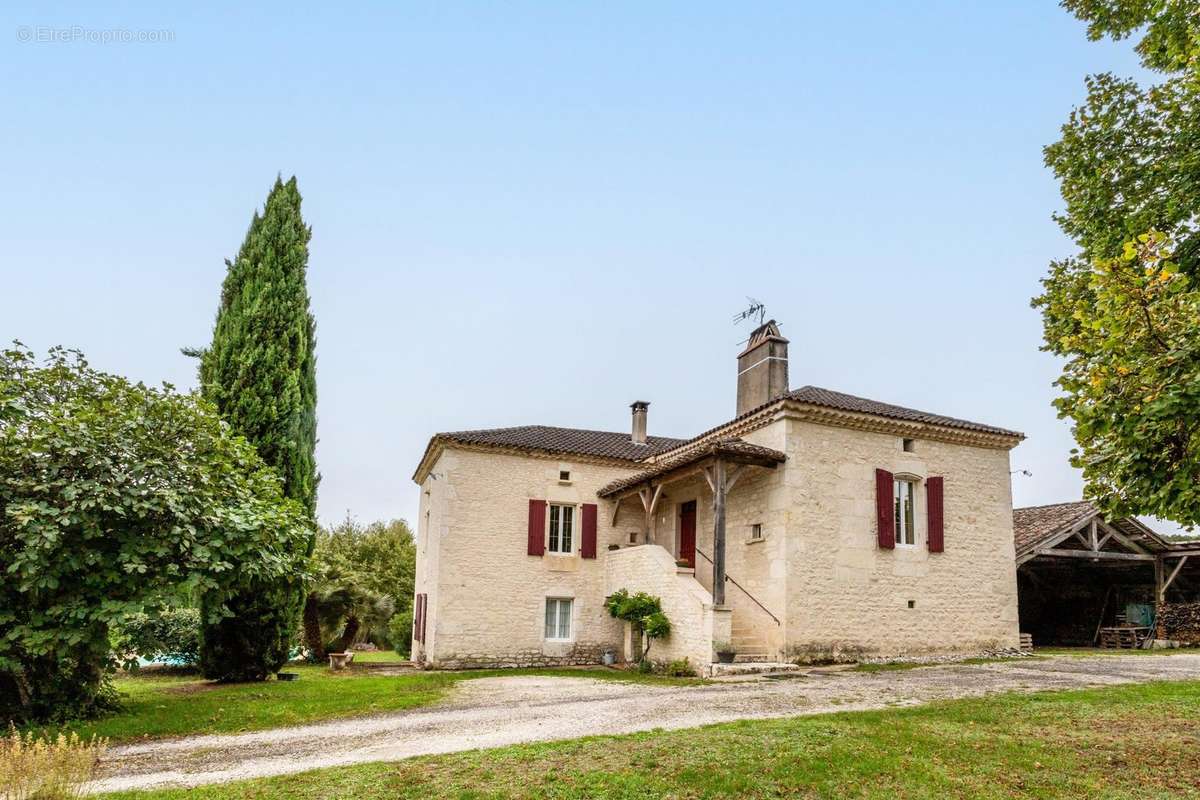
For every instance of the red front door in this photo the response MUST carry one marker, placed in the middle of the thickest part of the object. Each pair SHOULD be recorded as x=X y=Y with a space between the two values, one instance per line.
x=687 y=533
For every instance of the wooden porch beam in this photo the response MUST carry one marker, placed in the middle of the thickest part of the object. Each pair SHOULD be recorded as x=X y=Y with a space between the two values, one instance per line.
x=1103 y=555
x=733 y=476
x=1190 y=551
x=1122 y=538
x=649 y=496
x=1174 y=572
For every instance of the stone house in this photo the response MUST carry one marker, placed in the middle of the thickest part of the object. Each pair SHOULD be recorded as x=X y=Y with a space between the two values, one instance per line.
x=813 y=524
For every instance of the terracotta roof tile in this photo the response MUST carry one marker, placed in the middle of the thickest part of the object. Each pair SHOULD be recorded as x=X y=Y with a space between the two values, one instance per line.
x=1034 y=525
x=815 y=395
x=728 y=447
x=567 y=441
x=619 y=446
x=827 y=398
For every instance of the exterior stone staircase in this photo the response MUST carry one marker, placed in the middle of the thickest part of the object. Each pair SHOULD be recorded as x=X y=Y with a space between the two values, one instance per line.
x=751 y=649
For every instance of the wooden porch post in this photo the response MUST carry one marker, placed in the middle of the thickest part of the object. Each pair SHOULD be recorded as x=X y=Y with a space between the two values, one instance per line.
x=718 y=584
x=649 y=503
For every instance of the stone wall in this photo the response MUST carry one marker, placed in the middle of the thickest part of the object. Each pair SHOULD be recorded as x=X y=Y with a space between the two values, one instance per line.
x=486 y=595
x=577 y=656
x=847 y=597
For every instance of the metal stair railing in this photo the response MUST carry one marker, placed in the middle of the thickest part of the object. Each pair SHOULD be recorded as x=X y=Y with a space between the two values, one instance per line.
x=753 y=599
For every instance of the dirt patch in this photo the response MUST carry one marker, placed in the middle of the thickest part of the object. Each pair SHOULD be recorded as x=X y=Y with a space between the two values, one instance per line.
x=199 y=687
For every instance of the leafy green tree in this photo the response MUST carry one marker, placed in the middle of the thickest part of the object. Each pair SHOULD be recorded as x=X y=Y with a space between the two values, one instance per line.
x=1122 y=312
x=362 y=577
x=644 y=612
x=260 y=372
x=115 y=499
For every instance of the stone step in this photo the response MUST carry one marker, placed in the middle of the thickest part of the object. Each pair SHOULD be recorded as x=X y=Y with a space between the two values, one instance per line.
x=749 y=669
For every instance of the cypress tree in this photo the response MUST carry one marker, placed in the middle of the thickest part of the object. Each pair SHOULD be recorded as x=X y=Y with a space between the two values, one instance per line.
x=260 y=372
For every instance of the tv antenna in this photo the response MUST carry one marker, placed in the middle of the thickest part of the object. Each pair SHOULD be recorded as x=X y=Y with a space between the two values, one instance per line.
x=756 y=309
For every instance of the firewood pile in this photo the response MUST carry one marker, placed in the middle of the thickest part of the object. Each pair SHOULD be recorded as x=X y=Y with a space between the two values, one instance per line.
x=1180 y=622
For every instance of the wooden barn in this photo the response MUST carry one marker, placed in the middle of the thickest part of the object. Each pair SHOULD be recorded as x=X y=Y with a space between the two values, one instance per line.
x=1083 y=580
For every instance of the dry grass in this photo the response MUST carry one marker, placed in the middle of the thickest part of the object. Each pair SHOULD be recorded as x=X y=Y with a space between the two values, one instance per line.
x=35 y=767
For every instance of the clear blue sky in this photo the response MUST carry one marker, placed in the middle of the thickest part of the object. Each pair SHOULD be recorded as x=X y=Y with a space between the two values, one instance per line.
x=538 y=212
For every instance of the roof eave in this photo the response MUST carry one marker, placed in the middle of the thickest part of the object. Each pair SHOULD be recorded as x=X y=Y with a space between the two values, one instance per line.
x=441 y=442
x=997 y=438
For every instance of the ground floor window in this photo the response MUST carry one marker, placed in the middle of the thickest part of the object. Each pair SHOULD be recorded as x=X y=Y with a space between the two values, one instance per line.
x=558 y=618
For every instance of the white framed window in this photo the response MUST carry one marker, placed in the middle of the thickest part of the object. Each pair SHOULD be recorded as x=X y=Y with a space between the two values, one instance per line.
x=558 y=618
x=756 y=531
x=904 y=494
x=561 y=535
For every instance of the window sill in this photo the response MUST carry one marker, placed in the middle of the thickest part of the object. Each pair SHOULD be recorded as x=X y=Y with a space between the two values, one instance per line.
x=756 y=541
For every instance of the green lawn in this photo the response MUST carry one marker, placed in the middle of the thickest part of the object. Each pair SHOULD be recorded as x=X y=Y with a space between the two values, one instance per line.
x=157 y=706
x=377 y=657
x=1126 y=742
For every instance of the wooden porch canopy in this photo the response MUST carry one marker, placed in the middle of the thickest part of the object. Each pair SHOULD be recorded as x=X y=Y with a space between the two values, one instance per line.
x=1079 y=531
x=721 y=462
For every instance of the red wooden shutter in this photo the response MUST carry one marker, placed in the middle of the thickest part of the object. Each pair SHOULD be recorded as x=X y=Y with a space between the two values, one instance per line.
x=885 y=509
x=537 y=527
x=424 y=615
x=935 y=491
x=588 y=548
x=417 y=611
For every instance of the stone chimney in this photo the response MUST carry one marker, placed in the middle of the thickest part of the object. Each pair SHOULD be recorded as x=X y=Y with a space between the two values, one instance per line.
x=762 y=368
x=640 y=409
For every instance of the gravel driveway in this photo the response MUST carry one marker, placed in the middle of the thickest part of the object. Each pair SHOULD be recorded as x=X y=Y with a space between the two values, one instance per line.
x=492 y=712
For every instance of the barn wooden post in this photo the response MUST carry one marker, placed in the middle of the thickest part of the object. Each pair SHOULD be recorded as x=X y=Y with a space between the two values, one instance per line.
x=1160 y=594
x=719 y=488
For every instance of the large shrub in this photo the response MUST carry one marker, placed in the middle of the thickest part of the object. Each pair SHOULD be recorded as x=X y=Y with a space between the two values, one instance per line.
x=114 y=499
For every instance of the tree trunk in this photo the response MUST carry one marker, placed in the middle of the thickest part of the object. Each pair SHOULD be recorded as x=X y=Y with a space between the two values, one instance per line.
x=345 y=641
x=312 y=630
